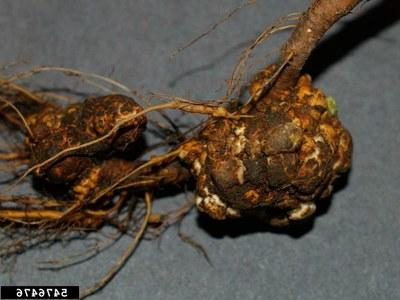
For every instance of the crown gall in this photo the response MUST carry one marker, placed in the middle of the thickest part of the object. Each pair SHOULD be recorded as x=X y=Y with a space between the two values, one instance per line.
x=57 y=129
x=279 y=162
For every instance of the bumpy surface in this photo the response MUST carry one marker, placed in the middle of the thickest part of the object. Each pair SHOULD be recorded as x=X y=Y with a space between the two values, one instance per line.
x=275 y=164
x=56 y=129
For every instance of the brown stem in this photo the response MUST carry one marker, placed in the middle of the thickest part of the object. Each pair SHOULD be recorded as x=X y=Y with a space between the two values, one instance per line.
x=320 y=16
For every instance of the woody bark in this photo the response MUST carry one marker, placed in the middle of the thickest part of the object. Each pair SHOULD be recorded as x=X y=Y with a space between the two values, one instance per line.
x=320 y=16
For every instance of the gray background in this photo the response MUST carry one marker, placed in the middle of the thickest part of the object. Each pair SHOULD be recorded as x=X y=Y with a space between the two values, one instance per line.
x=352 y=249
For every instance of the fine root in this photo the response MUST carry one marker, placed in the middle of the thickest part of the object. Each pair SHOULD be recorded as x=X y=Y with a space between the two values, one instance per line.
x=11 y=86
x=213 y=27
x=125 y=256
x=74 y=73
x=234 y=83
x=8 y=103
x=79 y=257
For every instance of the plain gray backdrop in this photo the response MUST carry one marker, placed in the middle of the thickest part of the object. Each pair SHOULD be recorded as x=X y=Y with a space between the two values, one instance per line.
x=351 y=251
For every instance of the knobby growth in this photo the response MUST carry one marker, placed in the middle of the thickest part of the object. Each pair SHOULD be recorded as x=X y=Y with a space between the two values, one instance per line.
x=270 y=158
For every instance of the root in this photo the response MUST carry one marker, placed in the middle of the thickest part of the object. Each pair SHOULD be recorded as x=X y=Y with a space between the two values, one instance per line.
x=12 y=156
x=153 y=161
x=20 y=89
x=162 y=221
x=213 y=27
x=71 y=72
x=55 y=96
x=18 y=245
x=88 y=253
x=125 y=256
x=8 y=103
x=194 y=244
x=31 y=201
x=50 y=214
x=12 y=166
x=18 y=215
x=239 y=70
x=234 y=84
